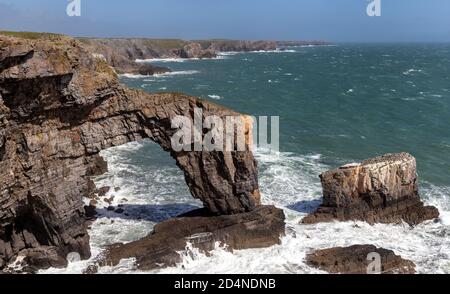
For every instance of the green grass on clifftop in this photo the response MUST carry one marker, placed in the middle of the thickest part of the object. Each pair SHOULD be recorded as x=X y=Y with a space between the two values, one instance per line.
x=30 y=35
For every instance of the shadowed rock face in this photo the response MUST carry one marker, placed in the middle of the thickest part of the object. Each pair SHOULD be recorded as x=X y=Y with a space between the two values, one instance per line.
x=60 y=106
x=379 y=190
x=259 y=228
x=357 y=260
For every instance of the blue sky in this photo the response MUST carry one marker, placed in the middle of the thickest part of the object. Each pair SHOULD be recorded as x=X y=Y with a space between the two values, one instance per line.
x=334 y=20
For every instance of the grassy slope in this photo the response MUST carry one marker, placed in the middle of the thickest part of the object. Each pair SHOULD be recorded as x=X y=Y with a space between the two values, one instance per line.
x=30 y=35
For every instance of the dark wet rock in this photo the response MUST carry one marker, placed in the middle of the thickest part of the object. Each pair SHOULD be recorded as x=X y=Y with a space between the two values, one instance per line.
x=98 y=166
x=90 y=211
x=60 y=105
x=44 y=258
x=119 y=210
x=91 y=270
x=103 y=191
x=110 y=208
x=359 y=259
x=260 y=228
x=379 y=190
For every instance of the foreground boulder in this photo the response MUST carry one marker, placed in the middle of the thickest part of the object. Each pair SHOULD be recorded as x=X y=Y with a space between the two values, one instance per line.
x=60 y=105
x=379 y=190
x=257 y=229
x=359 y=259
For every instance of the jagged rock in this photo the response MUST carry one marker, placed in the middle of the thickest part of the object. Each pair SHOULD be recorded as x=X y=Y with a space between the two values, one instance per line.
x=357 y=259
x=90 y=211
x=238 y=46
x=98 y=166
x=103 y=191
x=195 y=50
x=59 y=107
x=259 y=228
x=121 y=59
x=122 y=53
x=379 y=190
x=119 y=210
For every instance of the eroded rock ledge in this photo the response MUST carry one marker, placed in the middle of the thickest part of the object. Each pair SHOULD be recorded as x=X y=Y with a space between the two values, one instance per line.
x=379 y=190
x=60 y=105
x=259 y=228
x=358 y=259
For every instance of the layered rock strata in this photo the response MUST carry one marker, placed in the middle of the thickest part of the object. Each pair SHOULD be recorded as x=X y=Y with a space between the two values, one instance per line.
x=259 y=228
x=122 y=53
x=60 y=105
x=379 y=190
x=359 y=259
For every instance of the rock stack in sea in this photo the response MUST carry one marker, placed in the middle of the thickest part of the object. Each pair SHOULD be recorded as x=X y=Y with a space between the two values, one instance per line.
x=379 y=190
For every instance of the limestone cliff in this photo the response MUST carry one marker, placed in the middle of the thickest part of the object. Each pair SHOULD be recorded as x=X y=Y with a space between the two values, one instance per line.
x=122 y=53
x=379 y=190
x=60 y=105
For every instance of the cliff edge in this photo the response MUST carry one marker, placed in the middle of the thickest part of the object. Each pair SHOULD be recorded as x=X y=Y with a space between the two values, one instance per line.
x=60 y=105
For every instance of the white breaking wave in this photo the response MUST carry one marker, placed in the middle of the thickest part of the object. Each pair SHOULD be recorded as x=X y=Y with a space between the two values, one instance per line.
x=177 y=73
x=134 y=76
x=287 y=180
x=231 y=53
x=161 y=60
x=167 y=60
x=216 y=97
x=411 y=71
x=166 y=74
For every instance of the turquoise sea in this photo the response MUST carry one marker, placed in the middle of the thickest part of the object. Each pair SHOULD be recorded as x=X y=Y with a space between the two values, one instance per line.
x=337 y=104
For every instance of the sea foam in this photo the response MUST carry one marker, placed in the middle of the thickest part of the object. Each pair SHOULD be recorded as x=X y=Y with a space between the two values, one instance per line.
x=287 y=180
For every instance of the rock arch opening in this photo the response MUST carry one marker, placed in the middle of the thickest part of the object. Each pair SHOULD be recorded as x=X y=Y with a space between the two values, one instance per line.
x=142 y=182
x=50 y=141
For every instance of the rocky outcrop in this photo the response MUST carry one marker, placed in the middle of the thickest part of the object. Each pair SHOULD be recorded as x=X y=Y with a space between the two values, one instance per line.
x=195 y=50
x=60 y=105
x=123 y=65
x=359 y=259
x=122 y=53
x=133 y=49
x=379 y=190
x=257 y=229
x=122 y=58
x=238 y=45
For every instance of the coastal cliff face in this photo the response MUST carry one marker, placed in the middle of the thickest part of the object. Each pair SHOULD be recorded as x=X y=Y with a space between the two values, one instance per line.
x=379 y=190
x=60 y=105
x=238 y=45
x=122 y=53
